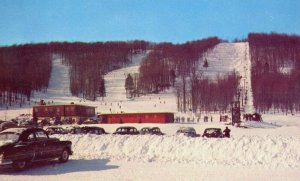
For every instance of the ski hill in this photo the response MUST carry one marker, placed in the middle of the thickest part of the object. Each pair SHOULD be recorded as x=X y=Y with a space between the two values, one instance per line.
x=264 y=151
x=222 y=59
x=225 y=58
x=117 y=102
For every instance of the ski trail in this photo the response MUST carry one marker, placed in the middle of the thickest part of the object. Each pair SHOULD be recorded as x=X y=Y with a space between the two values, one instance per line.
x=115 y=80
x=59 y=83
x=117 y=102
x=225 y=58
x=249 y=107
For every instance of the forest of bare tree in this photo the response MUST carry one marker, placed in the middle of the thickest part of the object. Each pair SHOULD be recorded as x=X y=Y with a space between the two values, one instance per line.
x=177 y=66
x=27 y=68
x=275 y=71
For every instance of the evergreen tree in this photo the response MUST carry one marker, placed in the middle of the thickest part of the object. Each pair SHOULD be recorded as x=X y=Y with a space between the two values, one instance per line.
x=129 y=86
x=205 y=64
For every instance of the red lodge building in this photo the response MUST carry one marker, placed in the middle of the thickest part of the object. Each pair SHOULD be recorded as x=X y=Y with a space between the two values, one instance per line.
x=68 y=111
x=137 y=118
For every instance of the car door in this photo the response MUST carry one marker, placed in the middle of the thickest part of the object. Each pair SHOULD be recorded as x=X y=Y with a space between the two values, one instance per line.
x=51 y=147
x=33 y=147
x=43 y=141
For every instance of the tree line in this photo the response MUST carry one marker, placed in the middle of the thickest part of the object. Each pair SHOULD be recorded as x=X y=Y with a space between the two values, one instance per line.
x=23 y=69
x=207 y=95
x=27 y=68
x=275 y=71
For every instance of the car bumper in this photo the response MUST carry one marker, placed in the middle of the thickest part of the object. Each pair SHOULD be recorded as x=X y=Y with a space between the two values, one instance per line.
x=4 y=162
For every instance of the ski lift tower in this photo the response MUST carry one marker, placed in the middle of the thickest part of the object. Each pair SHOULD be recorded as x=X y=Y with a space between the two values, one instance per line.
x=235 y=112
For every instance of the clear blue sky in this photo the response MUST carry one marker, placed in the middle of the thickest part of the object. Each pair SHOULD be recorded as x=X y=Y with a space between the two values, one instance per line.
x=27 y=21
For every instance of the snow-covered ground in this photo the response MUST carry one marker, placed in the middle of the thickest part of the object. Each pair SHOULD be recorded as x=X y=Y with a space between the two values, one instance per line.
x=264 y=151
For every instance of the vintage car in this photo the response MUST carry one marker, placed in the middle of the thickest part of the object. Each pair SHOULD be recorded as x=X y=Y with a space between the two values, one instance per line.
x=21 y=146
x=89 y=121
x=187 y=131
x=127 y=130
x=93 y=130
x=55 y=130
x=75 y=130
x=7 y=124
x=151 y=131
x=213 y=133
x=43 y=122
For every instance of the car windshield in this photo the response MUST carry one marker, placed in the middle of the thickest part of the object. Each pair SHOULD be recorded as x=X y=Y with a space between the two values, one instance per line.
x=212 y=131
x=8 y=137
x=189 y=130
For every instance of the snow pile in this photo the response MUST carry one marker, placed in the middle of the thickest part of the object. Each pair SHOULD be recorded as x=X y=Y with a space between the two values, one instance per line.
x=253 y=124
x=250 y=151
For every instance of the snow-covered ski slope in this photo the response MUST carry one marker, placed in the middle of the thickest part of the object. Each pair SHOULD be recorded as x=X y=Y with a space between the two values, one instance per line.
x=117 y=102
x=222 y=59
x=59 y=83
x=225 y=58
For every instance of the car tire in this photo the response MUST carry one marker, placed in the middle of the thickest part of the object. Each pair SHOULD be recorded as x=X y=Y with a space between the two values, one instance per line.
x=64 y=157
x=20 y=165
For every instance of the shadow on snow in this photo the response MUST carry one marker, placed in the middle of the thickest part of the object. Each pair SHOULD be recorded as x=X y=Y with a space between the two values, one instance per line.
x=56 y=168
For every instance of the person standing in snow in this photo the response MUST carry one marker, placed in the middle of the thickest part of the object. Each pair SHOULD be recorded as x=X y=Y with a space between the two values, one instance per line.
x=227 y=132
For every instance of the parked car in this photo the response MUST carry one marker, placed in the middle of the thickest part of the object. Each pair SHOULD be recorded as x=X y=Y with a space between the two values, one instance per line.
x=75 y=130
x=213 y=133
x=127 y=130
x=21 y=146
x=90 y=121
x=27 y=123
x=43 y=122
x=93 y=130
x=7 y=124
x=55 y=130
x=187 y=131
x=145 y=130
x=151 y=131
x=56 y=122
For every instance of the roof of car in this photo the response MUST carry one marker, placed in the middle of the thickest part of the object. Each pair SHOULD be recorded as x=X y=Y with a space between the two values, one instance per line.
x=14 y=130
x=186 y=128
x=213 y=128
x=126 y=127
x=54 y=127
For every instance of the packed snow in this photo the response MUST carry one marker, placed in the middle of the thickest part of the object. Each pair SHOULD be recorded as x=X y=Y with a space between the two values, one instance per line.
x=265 y=151
x=268 y=150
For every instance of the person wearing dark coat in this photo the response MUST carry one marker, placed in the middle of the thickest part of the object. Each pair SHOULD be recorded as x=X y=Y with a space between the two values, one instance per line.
x=227 y=132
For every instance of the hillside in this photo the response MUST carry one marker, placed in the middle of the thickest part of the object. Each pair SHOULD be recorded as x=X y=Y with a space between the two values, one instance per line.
x=226 y=58
x=262 y=151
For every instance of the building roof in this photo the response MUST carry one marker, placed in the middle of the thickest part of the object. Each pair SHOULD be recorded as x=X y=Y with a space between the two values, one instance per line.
x=50 y=105
x=131 y=113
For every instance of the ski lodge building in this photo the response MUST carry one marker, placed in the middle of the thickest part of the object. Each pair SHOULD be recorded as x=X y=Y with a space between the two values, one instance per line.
x=120 y=118
x=66 y=111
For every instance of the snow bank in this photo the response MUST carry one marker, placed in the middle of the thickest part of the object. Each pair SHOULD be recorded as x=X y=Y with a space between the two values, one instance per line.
x=250 y=151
